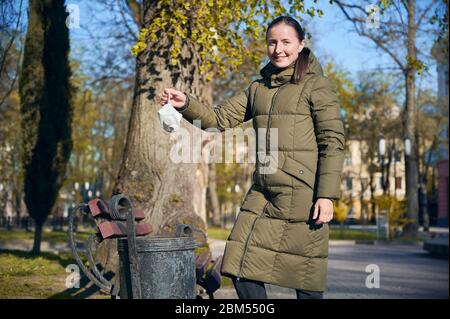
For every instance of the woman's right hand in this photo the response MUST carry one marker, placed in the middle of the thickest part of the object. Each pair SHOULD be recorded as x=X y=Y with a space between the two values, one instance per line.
x=177 y=98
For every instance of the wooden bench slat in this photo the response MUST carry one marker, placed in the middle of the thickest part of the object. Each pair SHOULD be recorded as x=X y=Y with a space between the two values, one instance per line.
x=113 y=229
x=100 y=208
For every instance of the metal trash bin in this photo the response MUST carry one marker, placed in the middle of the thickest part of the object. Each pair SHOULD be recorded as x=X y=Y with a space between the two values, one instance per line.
x=152 y=267
x=166 y=267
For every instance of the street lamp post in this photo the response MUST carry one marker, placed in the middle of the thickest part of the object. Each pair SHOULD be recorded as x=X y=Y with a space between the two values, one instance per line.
x=86 y=191
x=383 y=221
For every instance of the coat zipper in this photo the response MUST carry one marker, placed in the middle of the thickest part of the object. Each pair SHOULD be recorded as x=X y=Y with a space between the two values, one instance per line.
x=246 y=242
x=264 y=209
x=268 y=125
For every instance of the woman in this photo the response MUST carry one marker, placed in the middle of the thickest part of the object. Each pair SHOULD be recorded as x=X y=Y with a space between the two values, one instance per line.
x=281 y=234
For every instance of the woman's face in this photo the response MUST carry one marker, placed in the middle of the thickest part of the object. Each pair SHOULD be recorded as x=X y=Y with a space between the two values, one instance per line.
x=283 y=45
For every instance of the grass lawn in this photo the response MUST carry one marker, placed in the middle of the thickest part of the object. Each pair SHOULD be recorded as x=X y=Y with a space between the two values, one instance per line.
x=218 y=233
x=351 y=234
x=24 y=275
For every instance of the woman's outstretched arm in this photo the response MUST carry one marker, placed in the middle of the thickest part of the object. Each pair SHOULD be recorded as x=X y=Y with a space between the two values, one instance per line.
x=229 y=114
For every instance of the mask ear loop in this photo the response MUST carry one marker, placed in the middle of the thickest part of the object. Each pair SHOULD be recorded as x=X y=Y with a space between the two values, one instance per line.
x=169 y=99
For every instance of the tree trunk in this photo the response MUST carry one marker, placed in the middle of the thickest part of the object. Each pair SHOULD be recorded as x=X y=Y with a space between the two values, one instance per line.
x=24 y=213
x=410 y=126
x=17 y=197
x=37 y=238
x=424 y=206
x=361 y=200
x=212 y=189
x=395 y=170
x=372 y=196
x=169 y=193
x=364 y=215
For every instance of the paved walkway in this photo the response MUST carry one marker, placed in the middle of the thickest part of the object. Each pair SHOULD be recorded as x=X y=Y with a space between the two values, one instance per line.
x=406 y=271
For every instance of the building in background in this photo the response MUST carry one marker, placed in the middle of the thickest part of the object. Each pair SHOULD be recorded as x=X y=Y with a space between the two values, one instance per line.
x=356 y=179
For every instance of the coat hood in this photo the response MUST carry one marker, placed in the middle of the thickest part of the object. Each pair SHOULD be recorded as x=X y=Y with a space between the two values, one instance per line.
x=279 y=76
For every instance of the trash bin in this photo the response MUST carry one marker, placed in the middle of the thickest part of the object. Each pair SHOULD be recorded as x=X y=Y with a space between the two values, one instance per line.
x=166 y=267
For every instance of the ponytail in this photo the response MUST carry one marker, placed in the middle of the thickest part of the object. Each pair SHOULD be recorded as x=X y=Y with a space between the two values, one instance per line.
x=301 y=65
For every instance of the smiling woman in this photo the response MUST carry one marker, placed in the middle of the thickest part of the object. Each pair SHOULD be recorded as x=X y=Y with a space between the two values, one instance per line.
x=286 y=45
x=281 y=233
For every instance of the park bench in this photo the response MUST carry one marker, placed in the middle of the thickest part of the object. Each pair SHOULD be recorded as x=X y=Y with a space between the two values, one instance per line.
x=119 y=220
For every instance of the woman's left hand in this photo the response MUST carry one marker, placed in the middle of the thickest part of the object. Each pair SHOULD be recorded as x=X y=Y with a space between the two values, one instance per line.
x=323 y=211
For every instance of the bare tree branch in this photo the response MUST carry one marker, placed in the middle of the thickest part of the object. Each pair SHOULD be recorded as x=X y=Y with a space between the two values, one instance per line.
x=11 y=41
x=405 y=4
x=399 y=11
x=13 y=82
x=361 y=32
x=125 y=22
x=424 y=13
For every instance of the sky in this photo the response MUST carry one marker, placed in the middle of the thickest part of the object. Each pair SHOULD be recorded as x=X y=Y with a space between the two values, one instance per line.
x=333 y=39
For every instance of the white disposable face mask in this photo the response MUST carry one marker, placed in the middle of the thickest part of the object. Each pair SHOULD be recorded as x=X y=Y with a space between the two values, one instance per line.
x=169 y=117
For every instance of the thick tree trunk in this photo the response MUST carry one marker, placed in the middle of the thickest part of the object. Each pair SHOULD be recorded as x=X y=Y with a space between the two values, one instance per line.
x=169 y=193
x=410 y=126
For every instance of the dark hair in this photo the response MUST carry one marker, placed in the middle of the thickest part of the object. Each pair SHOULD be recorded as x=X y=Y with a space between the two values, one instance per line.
x=303 y=58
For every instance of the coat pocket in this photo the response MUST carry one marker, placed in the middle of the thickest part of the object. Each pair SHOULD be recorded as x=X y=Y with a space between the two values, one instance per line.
x=254 y=200
x=299 y=171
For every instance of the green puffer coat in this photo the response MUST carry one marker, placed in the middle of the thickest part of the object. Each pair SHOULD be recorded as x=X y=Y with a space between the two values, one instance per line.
x=273 y=239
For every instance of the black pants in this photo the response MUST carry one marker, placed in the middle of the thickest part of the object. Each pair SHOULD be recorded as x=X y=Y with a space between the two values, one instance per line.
x=250 y=289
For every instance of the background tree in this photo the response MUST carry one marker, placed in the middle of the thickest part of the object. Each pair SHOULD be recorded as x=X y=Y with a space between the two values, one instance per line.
x=46 y=109
x=99 y=127
x=407 y=23
x=11 y=28
x=11 y=48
